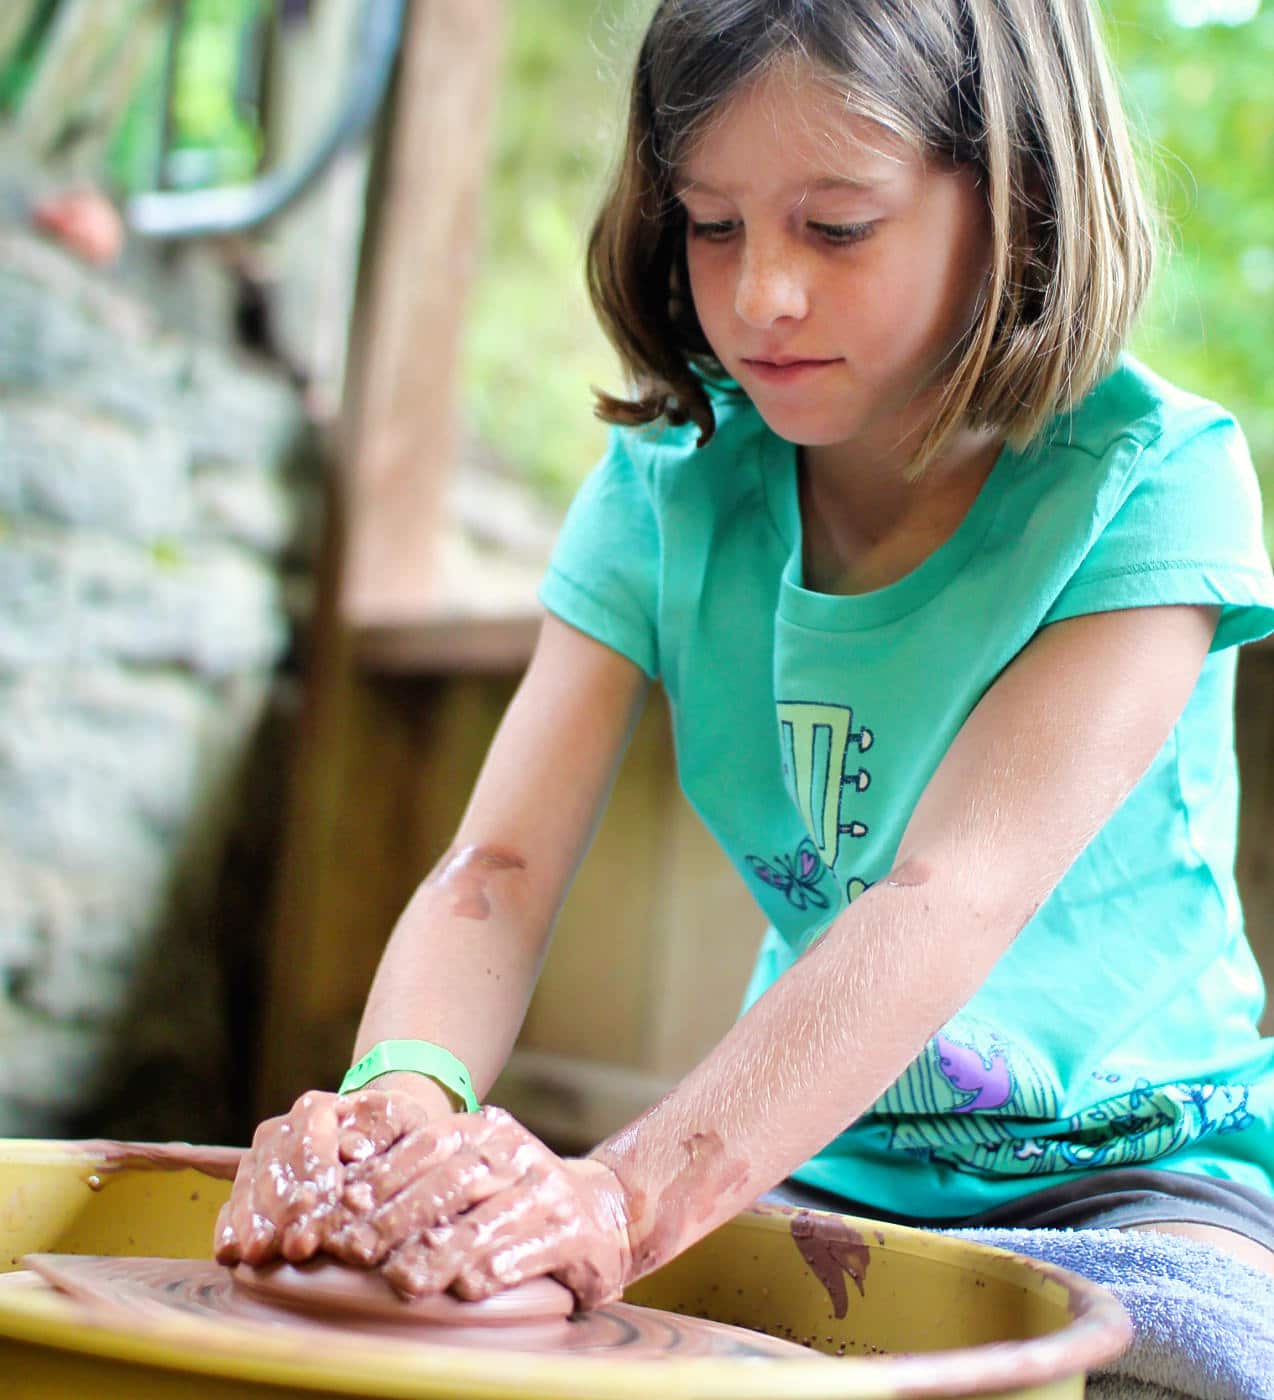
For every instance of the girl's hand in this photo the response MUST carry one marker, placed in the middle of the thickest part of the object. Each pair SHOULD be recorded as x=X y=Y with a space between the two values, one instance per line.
x=475 y=1204
x=287 y=1192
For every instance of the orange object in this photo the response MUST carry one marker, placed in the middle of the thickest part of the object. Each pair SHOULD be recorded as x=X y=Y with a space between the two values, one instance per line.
x=85 y=222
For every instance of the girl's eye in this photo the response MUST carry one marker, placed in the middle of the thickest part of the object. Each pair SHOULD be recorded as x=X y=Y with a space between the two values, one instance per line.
x=842 y=233
x=715 y=231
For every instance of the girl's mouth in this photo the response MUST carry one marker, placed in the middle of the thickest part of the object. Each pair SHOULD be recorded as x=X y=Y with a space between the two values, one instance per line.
x=786 y=371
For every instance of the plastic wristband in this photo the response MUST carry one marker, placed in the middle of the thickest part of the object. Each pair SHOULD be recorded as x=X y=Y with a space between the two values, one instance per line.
x=416 y=1057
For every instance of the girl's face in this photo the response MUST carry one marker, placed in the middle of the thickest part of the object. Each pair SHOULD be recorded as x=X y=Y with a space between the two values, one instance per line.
x=834 y=271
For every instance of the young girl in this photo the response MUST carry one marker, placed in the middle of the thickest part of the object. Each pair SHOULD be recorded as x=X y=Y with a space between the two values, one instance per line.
x=945 y=593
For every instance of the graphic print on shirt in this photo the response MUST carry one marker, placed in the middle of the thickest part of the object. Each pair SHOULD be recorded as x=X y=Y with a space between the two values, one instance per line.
x=974 y=1100
x=942 y=1101
x=795 y=876
x=967 y=1070
x=814 y=740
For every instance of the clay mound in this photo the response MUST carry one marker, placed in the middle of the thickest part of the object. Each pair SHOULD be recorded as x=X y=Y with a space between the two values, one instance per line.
x=327 y=1288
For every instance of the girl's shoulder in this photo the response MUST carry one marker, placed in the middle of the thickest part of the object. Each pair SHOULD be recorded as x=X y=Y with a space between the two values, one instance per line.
x=1133 y=413
x=1154 y=500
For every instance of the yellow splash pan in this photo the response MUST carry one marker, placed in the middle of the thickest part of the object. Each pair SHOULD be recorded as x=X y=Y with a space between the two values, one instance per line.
x=934 y=1316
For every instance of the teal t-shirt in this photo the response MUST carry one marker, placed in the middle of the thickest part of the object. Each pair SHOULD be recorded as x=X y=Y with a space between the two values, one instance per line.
x=1120 y=1026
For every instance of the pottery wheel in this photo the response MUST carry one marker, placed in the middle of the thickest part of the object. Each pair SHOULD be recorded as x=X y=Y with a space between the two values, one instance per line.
x=330 y=1290
x=531 y=1318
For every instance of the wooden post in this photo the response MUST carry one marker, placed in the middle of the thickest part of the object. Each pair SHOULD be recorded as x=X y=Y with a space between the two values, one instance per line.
x=352 y=851
x=402 y=442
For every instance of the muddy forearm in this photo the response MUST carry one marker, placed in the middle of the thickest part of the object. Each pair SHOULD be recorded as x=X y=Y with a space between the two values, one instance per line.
x=811 y=1056
x=461 y=963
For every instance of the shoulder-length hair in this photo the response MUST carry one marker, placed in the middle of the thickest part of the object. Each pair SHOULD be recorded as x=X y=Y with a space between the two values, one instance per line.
x=1018 y=90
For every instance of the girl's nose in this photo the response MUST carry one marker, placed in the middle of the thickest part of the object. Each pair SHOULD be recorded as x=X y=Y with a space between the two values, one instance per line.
x=770 y=288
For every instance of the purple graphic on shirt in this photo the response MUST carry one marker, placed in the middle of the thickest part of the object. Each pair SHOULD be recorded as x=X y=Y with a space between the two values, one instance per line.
x=988 y=1080
x=796 y=876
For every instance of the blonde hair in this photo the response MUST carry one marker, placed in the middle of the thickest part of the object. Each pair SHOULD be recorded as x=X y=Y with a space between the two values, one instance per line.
x=1018 y=90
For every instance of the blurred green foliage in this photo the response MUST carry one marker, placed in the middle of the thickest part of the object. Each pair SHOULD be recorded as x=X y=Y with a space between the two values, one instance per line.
x=215 y=136
x=1200 y=93
x=533 y=347
x=1203 y=96
x=214 y=129
x=18 y=66
x=1197 y=74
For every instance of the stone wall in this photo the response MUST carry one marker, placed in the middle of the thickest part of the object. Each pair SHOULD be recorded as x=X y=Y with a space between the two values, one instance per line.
x=158 y=518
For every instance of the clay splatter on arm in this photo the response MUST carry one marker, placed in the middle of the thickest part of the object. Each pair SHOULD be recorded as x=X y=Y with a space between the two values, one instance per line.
x=467 y=874
x=912 y=873
x=687 y=1197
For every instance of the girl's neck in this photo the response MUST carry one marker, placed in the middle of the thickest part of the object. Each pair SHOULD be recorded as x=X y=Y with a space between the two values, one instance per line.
x=866 y=525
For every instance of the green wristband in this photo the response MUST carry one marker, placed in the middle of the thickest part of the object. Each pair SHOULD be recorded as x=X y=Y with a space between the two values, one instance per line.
x=416 y=1057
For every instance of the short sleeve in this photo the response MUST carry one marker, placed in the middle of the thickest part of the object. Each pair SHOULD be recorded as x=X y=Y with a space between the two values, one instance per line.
x=603 y=577
x=1187 y=531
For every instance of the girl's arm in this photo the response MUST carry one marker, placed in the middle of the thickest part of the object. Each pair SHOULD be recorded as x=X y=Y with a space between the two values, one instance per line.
x=463 y=958
x=1044 y=760
x=1046 y=757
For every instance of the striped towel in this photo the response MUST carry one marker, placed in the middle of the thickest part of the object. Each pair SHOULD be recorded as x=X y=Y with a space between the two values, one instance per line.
x=1203 y=1323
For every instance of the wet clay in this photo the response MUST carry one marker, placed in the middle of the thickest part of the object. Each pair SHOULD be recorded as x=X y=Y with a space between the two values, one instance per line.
x=147 y=1294
x=287 y=1200
x=430 y=1210
x=466 y=876
x=110 y=1157
x=326 y=1288
x=835 y=1251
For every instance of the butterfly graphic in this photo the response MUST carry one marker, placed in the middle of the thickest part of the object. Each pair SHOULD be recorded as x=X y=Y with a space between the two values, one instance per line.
x=796 y=876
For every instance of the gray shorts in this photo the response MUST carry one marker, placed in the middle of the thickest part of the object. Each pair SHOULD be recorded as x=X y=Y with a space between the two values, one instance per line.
x=1108 y=1200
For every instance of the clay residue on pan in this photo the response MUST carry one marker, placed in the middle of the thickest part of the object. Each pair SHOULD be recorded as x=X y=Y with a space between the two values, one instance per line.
x=466 y=877
x=834 y=1250
x=110 y=1157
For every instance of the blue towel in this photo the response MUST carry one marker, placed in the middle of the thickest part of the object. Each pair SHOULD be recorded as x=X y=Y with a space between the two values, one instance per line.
x=1203 y=1323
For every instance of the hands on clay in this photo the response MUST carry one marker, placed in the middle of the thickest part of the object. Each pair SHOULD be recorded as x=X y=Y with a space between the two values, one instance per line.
x=474 y=1203
x=471 y=1203
x=287 y=1195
